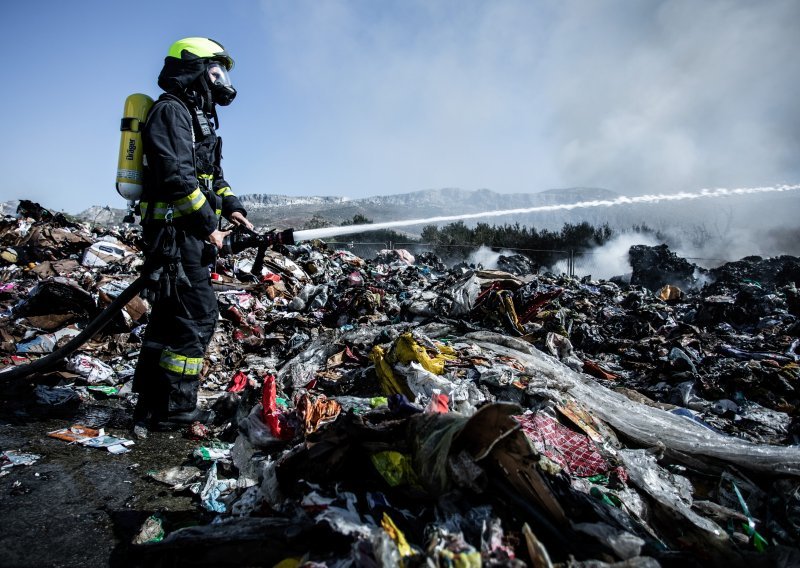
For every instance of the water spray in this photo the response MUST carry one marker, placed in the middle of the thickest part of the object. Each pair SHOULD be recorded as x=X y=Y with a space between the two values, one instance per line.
x=326 y=232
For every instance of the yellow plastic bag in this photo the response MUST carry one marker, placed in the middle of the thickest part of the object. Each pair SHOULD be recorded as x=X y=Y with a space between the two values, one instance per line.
x=389 y=383
x=405 y=350
x=398 y=537
x=395 y=468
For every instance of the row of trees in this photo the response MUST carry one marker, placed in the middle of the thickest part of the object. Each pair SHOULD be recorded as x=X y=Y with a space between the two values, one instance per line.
x=457 y=240
x=570 y=237
x=543 y=246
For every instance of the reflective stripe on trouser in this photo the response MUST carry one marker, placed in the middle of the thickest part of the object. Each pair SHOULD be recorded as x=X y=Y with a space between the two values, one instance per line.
x=175 y=342
x=180 y=364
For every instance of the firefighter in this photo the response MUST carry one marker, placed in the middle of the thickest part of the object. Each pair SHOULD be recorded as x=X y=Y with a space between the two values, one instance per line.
x=184 y=195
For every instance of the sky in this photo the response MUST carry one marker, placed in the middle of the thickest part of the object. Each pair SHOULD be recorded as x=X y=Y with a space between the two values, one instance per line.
x=358 y=98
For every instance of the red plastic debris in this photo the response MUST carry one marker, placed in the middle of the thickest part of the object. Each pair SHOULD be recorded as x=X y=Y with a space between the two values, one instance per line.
x=595 y=370
x=238 y=382
x=269 y=409
x=439 y=403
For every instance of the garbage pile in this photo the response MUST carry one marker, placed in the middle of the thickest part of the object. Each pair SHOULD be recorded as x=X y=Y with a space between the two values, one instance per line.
x=394 y=411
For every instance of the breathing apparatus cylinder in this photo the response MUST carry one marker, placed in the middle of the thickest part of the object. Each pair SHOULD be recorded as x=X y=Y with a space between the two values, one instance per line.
x=130 y=167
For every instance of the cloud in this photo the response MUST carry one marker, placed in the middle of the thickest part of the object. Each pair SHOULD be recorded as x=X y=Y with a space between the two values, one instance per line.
x=677 y=94
x=415 y=95
x=523 y=96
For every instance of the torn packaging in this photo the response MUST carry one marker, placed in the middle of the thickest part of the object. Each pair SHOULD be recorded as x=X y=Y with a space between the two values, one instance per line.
x=50 y=322
x=493 y=434
x=646 y=425
x=574 y=452
x=492 y=438
x=57 y=296
x=314 y=412
x=103 y=253
x=111 y=289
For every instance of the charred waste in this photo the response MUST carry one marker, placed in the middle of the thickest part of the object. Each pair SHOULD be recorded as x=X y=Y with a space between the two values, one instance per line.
x=399 y=411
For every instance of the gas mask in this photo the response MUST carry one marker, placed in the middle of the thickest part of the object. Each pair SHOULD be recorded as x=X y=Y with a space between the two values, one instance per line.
x=219 y=85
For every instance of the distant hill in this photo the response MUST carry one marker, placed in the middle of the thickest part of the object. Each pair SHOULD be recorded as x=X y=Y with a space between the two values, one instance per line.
x=98 y=215
x=757 y=224
x=282 y=211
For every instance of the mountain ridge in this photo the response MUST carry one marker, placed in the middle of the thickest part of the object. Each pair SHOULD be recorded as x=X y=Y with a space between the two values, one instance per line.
x=276 y=210
x=756 y=219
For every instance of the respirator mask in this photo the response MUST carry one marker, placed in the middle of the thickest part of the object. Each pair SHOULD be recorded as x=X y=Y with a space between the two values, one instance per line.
x=219 y=83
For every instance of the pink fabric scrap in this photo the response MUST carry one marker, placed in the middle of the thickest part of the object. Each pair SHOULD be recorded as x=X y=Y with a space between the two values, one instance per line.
x=573 y=451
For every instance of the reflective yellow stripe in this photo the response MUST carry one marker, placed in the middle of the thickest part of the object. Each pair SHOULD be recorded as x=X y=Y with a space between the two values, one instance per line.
x=174 y=368
x=224 y=191
x=180 y=364
x=183 y=206
x=206 y=176
x=191 y=203
x=193 y=366
x=159 y=210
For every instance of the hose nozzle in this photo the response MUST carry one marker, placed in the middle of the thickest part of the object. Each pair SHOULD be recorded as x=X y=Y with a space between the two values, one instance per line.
x=242 y=238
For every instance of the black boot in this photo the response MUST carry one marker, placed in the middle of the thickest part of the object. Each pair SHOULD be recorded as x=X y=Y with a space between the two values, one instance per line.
x=196 y=415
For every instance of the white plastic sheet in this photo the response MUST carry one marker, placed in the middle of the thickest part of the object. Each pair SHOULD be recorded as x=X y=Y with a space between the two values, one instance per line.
x=646 y=425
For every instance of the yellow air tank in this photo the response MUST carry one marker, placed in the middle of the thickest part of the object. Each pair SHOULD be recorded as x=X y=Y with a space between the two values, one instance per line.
x=130 y=167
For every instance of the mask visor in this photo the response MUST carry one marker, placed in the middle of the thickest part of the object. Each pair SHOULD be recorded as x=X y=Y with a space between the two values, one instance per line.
x=219 y=82
x=218 y=75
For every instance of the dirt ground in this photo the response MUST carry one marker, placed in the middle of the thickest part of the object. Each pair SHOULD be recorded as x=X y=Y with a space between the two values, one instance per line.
x=79 y=506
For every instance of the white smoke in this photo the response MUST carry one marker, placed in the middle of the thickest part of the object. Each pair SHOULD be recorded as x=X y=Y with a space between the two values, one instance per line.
x=608 y=260
x=656 y=98
x=487 y=258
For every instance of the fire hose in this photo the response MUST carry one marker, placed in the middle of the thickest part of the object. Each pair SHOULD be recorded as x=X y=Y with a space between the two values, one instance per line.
x=239 y=240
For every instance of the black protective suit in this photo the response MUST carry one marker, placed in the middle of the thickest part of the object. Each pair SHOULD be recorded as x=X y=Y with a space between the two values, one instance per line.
x=184 y=194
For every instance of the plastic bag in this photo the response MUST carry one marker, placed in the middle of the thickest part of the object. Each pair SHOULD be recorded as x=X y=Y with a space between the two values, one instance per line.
x=646 y=425
x=92 y=369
